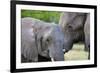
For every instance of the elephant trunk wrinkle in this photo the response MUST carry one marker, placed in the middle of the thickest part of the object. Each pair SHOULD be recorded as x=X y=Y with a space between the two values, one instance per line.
x=36 y=43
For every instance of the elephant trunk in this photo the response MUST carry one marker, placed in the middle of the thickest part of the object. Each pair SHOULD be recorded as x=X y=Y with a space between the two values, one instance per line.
x=56 y=53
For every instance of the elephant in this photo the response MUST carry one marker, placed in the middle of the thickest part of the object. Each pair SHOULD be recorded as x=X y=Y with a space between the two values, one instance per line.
x=41 y=41
x=87 y=33
x=76 y=28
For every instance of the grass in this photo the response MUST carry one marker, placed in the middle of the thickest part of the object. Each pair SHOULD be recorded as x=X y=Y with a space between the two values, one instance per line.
x=77 y=53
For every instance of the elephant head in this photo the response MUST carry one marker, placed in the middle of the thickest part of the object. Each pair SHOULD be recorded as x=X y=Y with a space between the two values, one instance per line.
x=41 y=38
x=53 y=41
x=72 y=24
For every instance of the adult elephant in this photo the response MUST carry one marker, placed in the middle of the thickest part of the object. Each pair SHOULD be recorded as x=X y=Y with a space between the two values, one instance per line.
x=40 y=39
x=76 y=27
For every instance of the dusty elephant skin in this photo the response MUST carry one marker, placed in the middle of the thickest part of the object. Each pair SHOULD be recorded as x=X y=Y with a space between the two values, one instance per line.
x=87 y=34
x=40 y=40
x=76 y=27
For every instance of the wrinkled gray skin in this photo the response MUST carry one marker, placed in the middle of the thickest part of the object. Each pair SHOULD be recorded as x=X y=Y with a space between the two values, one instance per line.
x=87 y=33
x=41 y=38
x=76 y=28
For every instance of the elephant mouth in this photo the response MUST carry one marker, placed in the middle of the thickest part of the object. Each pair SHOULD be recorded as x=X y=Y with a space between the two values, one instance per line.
x=64 y=50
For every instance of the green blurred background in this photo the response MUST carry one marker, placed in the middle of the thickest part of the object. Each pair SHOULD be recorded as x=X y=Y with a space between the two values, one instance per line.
x=47 y=16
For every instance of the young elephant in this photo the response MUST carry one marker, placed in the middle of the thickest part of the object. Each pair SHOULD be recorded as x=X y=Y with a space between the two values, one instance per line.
x=41 y=39
x=76 y=28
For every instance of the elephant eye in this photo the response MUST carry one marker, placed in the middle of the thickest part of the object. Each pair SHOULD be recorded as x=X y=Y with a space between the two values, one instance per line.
x=69 y=27
x=48 y=40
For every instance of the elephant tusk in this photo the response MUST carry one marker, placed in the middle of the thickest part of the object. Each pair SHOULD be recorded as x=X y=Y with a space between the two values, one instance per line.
x=52 y=59
x=63 y=50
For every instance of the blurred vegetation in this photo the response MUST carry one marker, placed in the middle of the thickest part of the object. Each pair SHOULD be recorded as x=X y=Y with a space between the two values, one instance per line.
x=77 y=53
x=48 y=16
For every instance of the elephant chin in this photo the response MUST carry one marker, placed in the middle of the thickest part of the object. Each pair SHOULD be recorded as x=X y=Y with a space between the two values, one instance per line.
x=66 y=51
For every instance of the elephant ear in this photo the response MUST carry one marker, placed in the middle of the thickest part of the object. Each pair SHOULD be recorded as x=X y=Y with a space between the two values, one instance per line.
x=28 y=47
x=29 y=51
x=42 y=44
x=87 y=33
